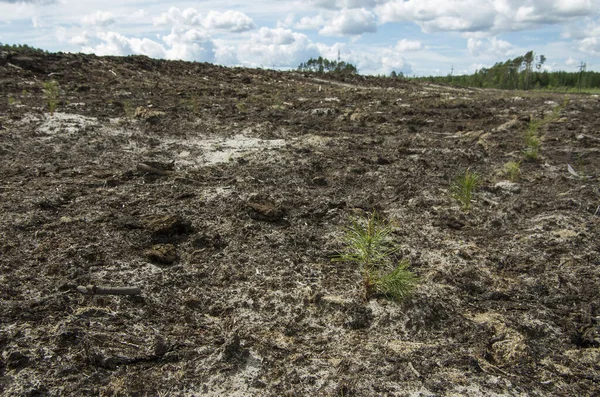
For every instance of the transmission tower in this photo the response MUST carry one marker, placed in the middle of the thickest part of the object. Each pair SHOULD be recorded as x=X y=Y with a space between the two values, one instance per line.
x=582 y=67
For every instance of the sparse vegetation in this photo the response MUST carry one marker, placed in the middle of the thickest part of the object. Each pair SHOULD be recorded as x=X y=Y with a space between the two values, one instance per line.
x=367 y=243
x=51 y=92
x=242 y=107
x=532 y=141
x=463 y=187
x=512 y=170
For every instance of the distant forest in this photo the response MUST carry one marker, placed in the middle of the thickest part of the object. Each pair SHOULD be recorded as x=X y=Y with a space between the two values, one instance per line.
x=523 y=72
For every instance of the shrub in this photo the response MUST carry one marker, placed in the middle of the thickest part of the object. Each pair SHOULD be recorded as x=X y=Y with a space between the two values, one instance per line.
x=367 y=243
x=463 y=187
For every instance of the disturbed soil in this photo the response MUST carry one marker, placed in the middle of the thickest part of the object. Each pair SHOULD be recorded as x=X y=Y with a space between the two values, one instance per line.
x=223 y=193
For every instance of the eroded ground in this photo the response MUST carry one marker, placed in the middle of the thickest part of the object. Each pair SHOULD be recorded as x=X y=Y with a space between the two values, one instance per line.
x=223 y=194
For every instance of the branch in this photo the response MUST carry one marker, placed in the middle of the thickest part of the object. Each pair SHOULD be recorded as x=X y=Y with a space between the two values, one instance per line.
x=97 y=290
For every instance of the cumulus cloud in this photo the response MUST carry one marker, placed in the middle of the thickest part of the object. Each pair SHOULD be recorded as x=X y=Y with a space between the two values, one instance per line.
x=187 y=17
x=590 y=45
x=491 y=16
x=81 y=39
x=405 y=45
x=350 y=22
x=277 y=47
x=492 y=46
x=232 y=21
x=342 y=4
x=571 y=62
x=43 y=2
x=380 y=61
x=310 y=23
x=188 y=44
x=99 y=18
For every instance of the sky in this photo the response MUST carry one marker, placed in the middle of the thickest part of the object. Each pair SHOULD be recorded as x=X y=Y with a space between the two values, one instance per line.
x=415 y=37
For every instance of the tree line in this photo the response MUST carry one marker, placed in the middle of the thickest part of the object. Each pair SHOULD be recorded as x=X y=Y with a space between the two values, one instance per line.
x=523 y=72
x=323 y=65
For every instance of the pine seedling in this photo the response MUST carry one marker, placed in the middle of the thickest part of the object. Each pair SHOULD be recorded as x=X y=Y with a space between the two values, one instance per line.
x=367 y=243
x=512 y=169
x=51 y=90
x=463 y=187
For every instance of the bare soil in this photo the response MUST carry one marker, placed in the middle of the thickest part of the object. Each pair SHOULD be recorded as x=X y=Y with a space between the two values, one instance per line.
x=223 y=193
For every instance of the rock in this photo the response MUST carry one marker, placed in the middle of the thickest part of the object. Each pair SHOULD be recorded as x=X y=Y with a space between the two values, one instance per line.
x=162 y=253
x=508 y=126
x=323 y=112
x=507 y=187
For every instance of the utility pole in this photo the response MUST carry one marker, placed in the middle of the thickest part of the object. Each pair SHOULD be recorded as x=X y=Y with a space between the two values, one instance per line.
x=582 y=67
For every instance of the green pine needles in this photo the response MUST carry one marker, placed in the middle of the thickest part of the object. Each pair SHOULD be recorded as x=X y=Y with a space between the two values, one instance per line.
x=51 y=91
x=367 y=243
x=463 y=187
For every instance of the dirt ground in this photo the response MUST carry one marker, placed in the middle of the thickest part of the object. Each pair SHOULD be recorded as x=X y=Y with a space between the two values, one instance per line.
x=223 y=193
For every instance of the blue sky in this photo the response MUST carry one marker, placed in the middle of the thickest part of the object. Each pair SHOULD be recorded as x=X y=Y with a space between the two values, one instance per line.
x=416 y=37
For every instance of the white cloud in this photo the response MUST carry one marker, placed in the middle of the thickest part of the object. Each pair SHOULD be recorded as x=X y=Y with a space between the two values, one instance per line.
x=571 y=62
x=575 y=7
x=342 y=4
x=311 y=23
x=350 y=22
x=490 y=16
x=491 y=46
x=379 y=61
x=187 y=17
x=408 y=45
x=37 y=22
x=276 y=47
x=81 y=40
x=138 y=15
x=590 y=45
x=287 y=22
x=392 y=61
x=189 y=45
x=232 y=21
x=61 y=34
x=99 y=18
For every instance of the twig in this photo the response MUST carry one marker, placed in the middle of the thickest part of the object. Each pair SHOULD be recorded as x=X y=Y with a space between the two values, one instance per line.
x=97 y=290
x=151 y=170
x=414 y=371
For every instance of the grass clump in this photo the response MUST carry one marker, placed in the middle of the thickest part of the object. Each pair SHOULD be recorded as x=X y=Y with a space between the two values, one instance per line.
x=463 y=187
x=51 y=91
x=512 y=170
x=367 y=243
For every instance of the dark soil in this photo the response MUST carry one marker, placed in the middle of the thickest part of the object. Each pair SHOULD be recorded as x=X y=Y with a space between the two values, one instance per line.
x=223 y=193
